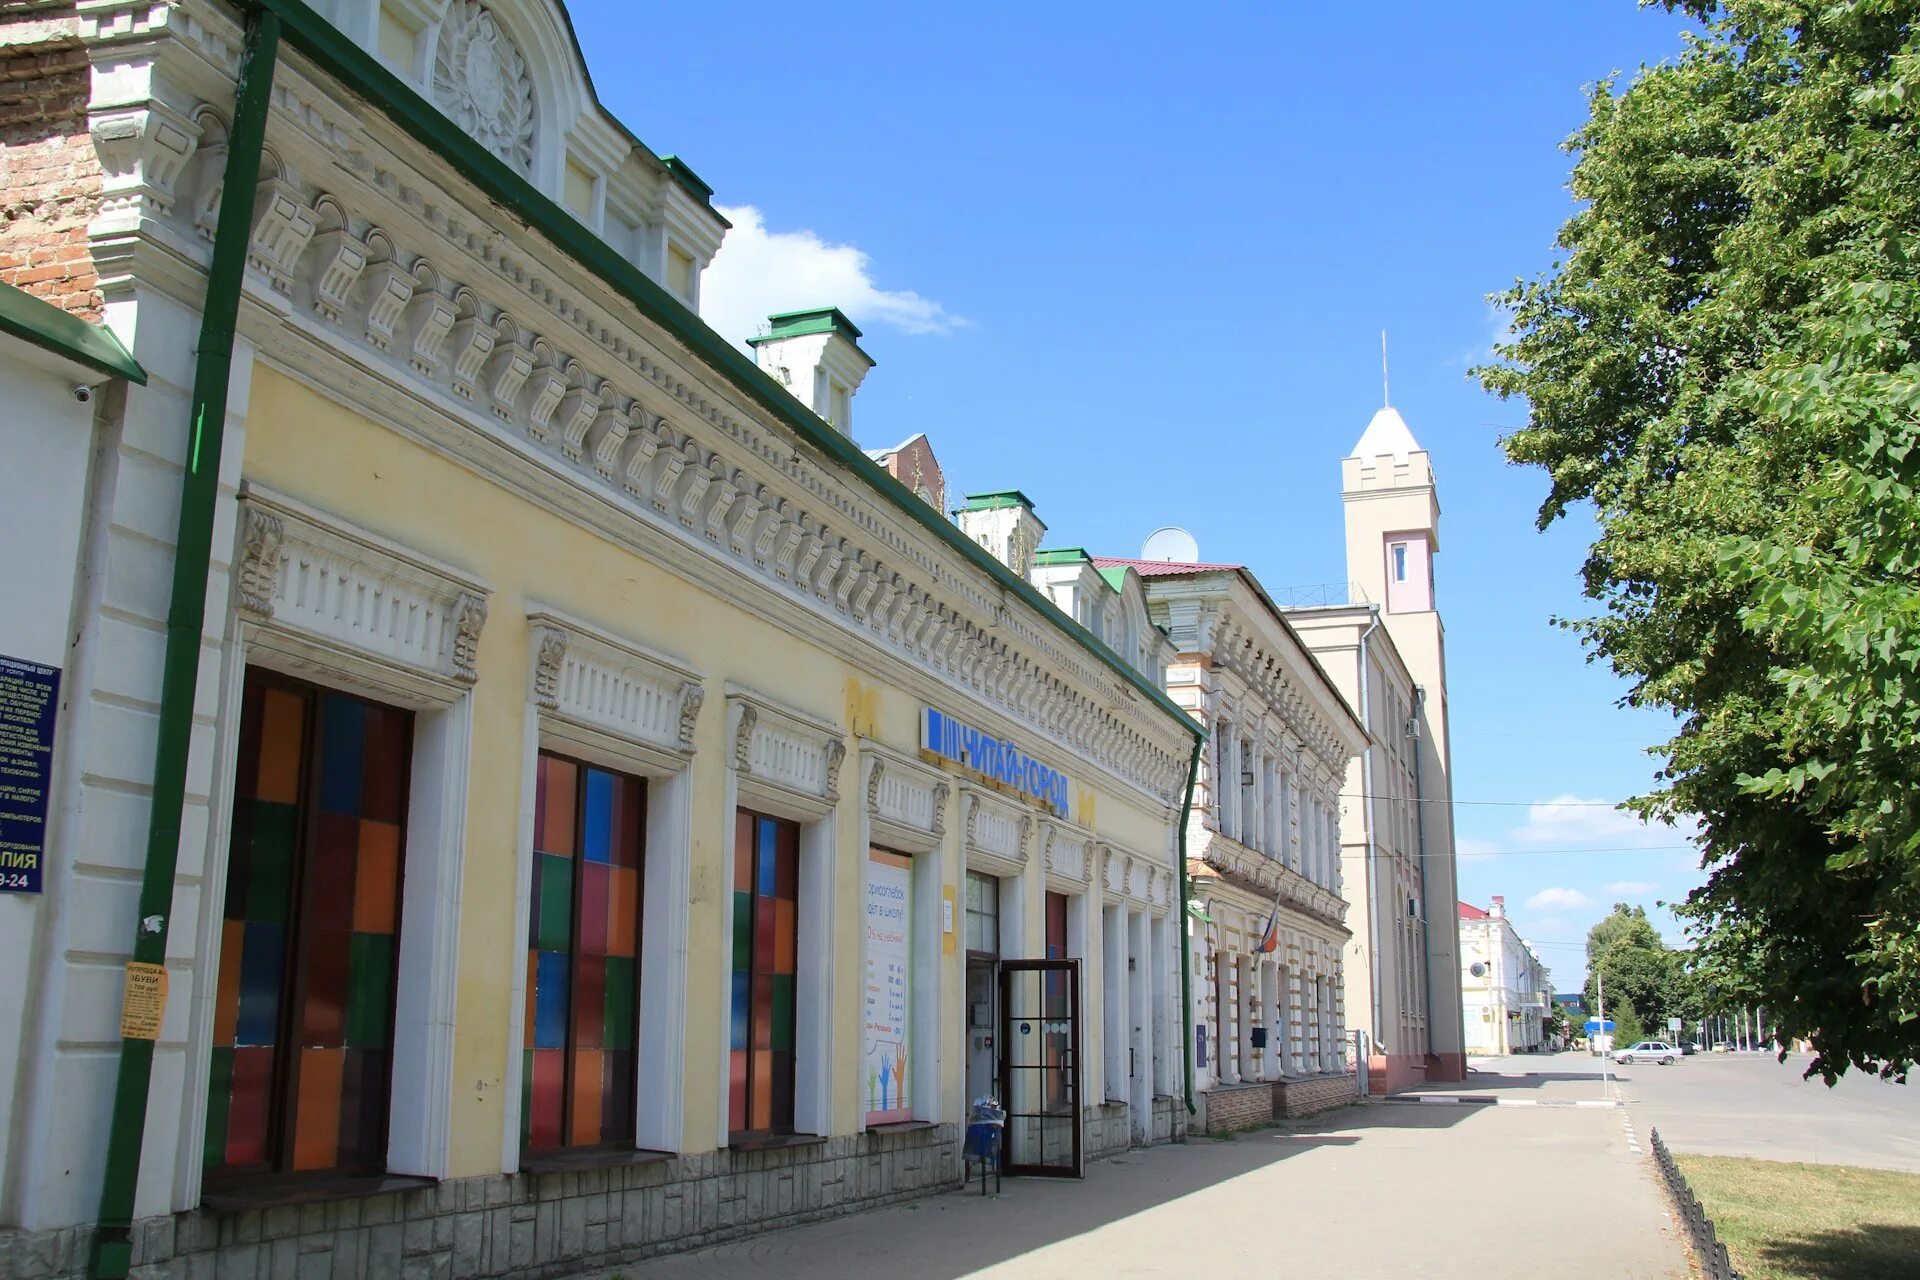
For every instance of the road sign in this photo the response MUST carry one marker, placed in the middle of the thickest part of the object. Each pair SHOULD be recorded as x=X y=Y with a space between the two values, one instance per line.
x=1674 y=1025
x=1594 y=1024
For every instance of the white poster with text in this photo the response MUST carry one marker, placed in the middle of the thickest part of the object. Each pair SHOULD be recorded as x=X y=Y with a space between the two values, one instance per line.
x=886 y=1016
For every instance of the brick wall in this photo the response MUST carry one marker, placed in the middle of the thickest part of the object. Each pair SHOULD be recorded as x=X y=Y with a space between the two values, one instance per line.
x=1307 y=1097
x=1239 y=1106
x=527 y=1226
x=49 y=173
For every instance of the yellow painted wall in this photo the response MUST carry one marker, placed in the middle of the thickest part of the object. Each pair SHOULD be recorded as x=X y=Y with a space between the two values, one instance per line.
x=318 y=452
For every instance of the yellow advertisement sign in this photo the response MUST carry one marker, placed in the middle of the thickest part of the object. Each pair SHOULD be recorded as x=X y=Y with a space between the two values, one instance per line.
x=145 y=1004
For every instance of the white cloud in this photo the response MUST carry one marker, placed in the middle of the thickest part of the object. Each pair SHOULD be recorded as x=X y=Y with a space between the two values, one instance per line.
x=1500 y=331
x=759 y=272
x=1630 y=888
x=1474 y=849
x=1558 y=900
x=1571 y=820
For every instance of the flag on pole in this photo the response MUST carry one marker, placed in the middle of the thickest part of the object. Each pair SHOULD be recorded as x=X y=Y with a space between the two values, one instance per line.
x=1270 y=932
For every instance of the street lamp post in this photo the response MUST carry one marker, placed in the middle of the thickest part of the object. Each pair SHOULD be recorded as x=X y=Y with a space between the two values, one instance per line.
x=1600 y=1013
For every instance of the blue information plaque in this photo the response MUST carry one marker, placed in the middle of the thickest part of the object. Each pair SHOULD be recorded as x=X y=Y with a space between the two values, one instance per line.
x=29 y=703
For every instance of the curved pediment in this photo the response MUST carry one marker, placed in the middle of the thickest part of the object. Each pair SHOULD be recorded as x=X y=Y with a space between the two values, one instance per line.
x=511 y=74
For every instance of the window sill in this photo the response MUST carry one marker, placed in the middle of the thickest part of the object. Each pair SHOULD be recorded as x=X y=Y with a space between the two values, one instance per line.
x=271 y=1192
x=774 y=1141
x=593 y=1158
x=902 y=1126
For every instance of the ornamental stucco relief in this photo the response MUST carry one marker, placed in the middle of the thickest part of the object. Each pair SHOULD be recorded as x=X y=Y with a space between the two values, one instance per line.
x=480 y=79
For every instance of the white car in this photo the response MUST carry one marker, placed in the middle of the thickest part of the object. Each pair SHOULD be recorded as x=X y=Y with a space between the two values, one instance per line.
x=1650 y=1050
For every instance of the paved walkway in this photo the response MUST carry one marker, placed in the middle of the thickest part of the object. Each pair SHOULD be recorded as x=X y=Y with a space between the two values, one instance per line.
x=1429 y=1190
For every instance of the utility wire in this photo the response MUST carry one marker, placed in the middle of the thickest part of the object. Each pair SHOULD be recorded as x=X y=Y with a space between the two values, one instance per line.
x=1529 y=853
x=1504 y=804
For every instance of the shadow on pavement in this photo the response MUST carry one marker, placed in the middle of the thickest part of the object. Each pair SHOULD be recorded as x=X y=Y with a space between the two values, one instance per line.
x=1376 y=1115
x=1527 y=1080
x=1866 y=1251
x=976 y=1232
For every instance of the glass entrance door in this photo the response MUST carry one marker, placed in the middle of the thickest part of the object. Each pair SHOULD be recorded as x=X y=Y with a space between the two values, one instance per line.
x=1040 y=1067
x=982 y=1067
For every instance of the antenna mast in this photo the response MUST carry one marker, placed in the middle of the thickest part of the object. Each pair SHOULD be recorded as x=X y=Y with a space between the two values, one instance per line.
x=1386 y=396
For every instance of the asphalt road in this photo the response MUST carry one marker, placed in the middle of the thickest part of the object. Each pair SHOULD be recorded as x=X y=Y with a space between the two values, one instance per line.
x=1748 y=1104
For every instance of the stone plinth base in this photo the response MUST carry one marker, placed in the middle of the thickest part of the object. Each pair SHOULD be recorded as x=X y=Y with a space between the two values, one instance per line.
x=524 y=1225
x=1229 y=1107
x=1312 y=1095
x=1395 y=1073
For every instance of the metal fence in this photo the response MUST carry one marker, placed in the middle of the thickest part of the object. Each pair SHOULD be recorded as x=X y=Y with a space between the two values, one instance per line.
x=1318 y=595
x=1714 y=1263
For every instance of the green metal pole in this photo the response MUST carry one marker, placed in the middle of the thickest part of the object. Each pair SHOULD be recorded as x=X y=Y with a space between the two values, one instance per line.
x=1186 y=943
x=112 y=1253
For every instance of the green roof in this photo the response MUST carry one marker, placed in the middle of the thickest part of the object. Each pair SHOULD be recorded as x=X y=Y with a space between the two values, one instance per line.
x=796 y=324
x=682 y=172
x=1065 y=555
x=335 y=54
x=47 y=326
x=995 y=501
x=793 y=324
x=1116 y=577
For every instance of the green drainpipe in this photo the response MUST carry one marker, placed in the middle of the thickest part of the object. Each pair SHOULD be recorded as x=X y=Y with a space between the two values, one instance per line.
x=1186 y=944
x=112 y=1253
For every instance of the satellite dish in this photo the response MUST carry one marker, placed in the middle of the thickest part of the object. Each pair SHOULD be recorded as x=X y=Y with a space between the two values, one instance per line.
x=1171 y=543
x=1477 y=969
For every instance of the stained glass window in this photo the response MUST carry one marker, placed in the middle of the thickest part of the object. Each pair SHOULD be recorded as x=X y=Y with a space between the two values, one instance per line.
x=303 y=1007
x=1056 y=1086
x=583 y=946
x=766 y=900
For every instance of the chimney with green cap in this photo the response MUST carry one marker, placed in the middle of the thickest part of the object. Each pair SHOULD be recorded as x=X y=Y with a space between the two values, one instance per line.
x=815 y=355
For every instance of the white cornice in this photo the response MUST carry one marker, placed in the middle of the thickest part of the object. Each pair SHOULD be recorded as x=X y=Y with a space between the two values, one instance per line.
x=582 y=406
x=1253 y=657
x=1273 y=878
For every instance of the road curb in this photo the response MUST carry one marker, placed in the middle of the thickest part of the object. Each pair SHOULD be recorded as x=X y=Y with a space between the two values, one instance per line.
x=1429 y=1099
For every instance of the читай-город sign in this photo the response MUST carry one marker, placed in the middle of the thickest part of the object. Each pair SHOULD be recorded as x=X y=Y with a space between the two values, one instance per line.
x=29 y=701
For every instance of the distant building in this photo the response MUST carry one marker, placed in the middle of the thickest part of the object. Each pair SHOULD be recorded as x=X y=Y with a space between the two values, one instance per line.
x=912 y=463
x=1263 y=841
x=1504 y=989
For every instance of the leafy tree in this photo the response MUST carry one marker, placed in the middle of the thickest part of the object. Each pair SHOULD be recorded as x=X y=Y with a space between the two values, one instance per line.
x=1627 y=1028
x=1642 y=973
x=1724 y=364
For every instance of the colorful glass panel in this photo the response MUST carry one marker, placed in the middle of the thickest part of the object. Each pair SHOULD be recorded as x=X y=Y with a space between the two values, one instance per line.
x=303 y=1012
x=582 y=956
x=1055 y=1046
x=765 y=962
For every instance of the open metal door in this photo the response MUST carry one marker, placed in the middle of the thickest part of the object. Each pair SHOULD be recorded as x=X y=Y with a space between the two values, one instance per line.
x=1040 y=1067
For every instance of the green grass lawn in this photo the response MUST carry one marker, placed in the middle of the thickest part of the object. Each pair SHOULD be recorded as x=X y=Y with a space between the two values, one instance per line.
x=1810 y=1221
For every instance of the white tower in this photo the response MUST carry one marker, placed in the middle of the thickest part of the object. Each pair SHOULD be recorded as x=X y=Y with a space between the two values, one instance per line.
x=1393 y=533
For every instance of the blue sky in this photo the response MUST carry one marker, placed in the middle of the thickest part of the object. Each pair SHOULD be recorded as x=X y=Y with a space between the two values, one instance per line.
x=1135 y=260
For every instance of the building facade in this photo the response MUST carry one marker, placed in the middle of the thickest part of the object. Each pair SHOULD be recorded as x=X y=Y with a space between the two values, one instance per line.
x=603 y=782
x=55 y=367
x=1390 y=982
x=1263 y=848
x=1383 y=643
x=1506 y=990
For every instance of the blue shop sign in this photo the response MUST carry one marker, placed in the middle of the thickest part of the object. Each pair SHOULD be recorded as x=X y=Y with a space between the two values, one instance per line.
x=29 y=702
x=995 y=758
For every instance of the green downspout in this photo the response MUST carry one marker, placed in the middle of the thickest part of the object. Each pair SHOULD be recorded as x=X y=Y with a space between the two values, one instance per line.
x=1186 y=942
x=112 y=1252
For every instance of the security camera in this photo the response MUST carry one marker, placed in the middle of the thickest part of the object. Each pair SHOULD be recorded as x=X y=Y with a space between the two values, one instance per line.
x=82 y=392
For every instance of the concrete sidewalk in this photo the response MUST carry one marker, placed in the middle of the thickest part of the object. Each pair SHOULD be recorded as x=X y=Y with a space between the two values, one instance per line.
x=1430 y=1191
